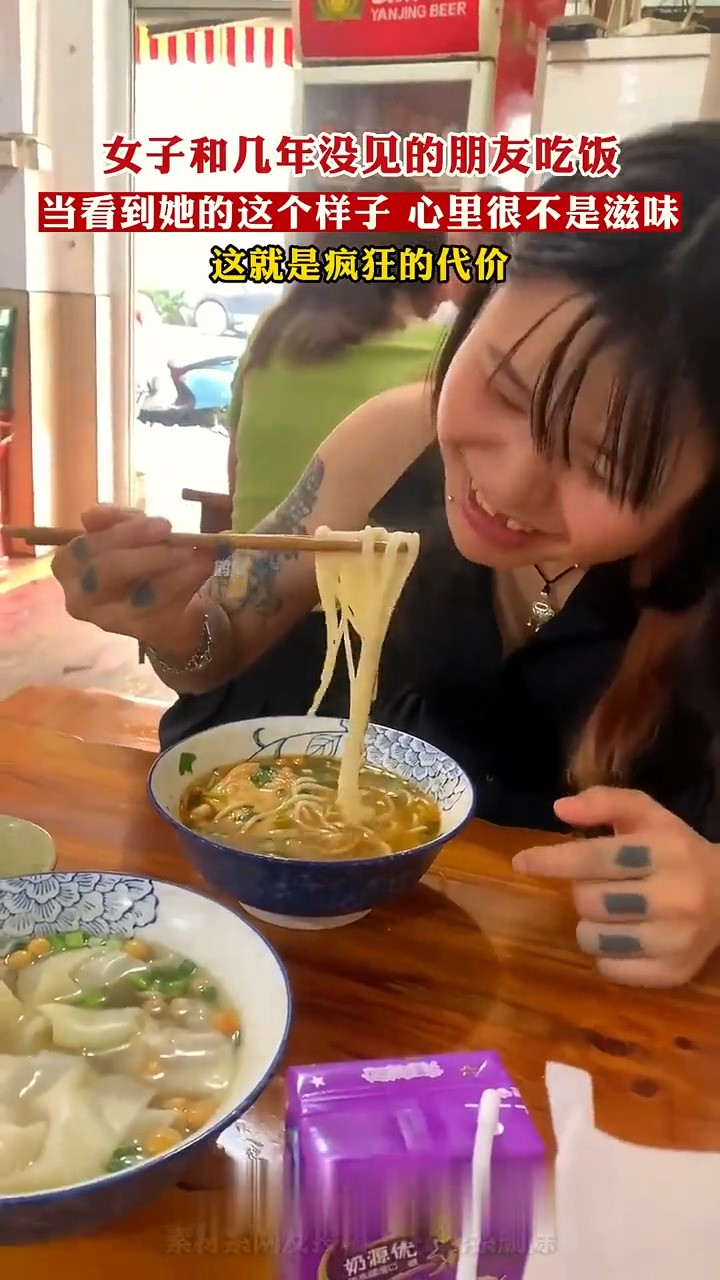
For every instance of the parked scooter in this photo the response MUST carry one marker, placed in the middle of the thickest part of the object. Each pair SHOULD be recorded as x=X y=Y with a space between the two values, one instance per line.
x=203 y=391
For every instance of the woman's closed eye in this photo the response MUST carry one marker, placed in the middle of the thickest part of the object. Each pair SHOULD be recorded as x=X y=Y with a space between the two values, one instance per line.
x=599 y=469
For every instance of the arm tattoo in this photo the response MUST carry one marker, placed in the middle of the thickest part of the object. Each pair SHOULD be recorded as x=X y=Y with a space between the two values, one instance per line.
x=80 y=550
x=261 y=570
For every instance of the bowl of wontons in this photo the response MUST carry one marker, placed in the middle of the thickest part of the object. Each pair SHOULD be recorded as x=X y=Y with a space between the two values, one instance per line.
x=138 y=1020
x=258 y=808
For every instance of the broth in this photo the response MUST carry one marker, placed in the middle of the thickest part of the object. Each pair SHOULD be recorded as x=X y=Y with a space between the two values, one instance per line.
x=288 y=806
x=112 y=1050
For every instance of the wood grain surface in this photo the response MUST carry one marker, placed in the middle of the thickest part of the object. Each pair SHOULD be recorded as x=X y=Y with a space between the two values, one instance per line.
x=476 y=957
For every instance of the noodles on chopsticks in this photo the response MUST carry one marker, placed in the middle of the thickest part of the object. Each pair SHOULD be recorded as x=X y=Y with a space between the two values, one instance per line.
x=310 y=806
x=360 y=591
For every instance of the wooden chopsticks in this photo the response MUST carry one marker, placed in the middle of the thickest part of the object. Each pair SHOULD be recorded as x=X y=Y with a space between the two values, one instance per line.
x=36 y=536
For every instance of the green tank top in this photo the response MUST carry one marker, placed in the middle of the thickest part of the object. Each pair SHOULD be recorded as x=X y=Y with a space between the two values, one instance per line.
x=283 y=411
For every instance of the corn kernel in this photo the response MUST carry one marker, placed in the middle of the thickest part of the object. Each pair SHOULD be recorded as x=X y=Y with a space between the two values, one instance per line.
x=198 y=1113
x=19 y=960
x=137 y=949
x=161 y=1140
x=39 y=947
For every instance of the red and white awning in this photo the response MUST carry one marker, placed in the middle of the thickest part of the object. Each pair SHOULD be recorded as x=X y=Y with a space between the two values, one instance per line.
x=234 y=43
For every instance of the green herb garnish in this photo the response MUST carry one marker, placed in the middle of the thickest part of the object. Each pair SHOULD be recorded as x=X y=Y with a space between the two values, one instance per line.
x=168 y=983
x=75 y=940
x=110 y=941
x=208 y=992
x=263 y=775
x=186 y=763
x=170 y=988
x=93 y=998
x=124 y=1158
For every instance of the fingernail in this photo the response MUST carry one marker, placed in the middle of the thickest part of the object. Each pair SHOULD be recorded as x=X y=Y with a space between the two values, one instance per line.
x=519 y=862
x=158 y=525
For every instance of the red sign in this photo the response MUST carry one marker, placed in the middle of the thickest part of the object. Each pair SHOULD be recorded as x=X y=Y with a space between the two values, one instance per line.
x=400 y=30
x=277 y=212
x=523 y=23
x=387 y=30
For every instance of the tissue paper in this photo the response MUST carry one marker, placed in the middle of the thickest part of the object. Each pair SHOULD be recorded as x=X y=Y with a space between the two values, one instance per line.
x=621 y=1210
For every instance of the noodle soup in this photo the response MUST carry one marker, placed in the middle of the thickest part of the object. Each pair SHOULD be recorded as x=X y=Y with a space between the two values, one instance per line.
x=322 y=885
x=112 y=1050
x=288 y=806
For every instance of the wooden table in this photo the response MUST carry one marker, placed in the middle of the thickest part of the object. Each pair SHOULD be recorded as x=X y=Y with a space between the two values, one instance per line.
x=474 y=958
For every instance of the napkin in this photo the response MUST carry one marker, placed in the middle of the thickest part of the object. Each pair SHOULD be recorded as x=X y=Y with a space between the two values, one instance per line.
x=635 y=1213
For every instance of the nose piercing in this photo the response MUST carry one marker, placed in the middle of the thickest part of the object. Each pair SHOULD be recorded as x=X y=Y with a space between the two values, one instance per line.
x=449 y=497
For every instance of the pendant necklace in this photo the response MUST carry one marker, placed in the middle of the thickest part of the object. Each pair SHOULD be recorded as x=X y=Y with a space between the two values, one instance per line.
x=541 y=610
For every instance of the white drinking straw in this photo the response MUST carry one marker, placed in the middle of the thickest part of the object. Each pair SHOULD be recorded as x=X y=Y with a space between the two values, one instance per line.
x=477 y=1207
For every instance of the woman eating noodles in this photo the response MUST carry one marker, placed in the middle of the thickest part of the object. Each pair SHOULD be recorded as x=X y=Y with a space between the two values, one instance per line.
x=557 y=634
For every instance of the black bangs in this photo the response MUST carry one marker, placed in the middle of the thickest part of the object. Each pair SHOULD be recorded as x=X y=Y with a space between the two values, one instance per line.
x=640 y=416
x=643 y=415
x=476 y=296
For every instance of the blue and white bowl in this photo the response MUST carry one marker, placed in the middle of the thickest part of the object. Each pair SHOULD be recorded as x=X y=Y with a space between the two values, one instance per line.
x=204 y=931
x=300 y=893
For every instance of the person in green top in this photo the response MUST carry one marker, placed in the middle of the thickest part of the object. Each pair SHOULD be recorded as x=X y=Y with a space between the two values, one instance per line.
x=319 y=353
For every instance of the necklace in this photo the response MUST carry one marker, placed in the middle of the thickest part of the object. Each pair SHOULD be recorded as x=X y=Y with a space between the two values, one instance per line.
x=541 y=610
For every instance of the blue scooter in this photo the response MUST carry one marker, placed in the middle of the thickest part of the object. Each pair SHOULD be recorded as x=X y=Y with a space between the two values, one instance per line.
x=203 y=393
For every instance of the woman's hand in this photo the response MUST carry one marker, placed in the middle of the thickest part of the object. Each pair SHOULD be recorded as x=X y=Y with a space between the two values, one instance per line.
x=648 y=897
x=124 y=577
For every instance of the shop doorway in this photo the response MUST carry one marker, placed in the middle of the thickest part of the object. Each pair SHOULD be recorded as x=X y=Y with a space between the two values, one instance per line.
x=198 y=76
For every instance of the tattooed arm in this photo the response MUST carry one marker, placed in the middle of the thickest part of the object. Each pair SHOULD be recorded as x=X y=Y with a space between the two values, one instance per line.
x=269 y=593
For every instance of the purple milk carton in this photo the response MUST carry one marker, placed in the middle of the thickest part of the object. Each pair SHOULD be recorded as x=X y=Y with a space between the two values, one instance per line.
x=377 y=1170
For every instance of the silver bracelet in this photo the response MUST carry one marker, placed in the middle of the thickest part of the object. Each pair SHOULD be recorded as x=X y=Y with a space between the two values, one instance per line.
x=197 y=661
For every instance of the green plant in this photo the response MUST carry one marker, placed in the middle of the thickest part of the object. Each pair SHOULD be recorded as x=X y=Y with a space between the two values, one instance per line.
x=171 y=307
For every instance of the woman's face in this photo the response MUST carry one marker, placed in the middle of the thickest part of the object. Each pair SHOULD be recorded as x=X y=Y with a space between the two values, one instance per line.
x=494 y=476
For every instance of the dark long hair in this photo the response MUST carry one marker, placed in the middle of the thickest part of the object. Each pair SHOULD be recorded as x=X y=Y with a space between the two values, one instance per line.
x=653 y=299
x=317 y=321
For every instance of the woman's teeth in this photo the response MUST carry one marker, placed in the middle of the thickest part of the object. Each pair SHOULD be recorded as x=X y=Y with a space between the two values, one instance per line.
x=510 y=524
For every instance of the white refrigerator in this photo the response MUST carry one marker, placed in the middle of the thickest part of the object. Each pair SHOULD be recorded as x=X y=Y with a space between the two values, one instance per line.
x=404 y=98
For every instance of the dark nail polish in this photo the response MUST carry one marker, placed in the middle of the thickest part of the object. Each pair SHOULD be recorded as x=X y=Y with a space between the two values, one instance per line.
x=625 y=904
x=635 y=857
x=143 y=595
x=89 y=582
x=619 y=944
